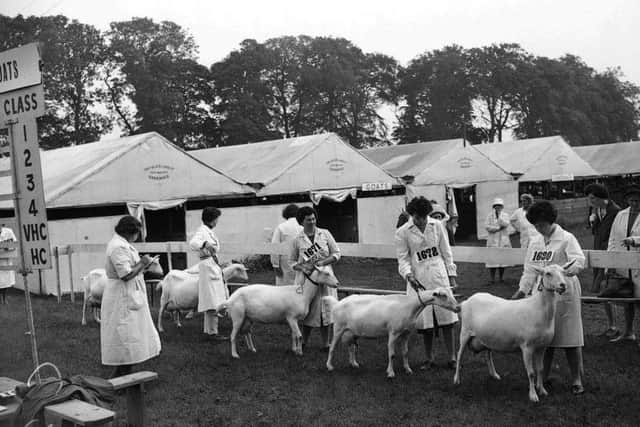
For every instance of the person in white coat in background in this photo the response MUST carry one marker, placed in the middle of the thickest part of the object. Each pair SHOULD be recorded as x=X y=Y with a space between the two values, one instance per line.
x=127 y=333
x=497 y=224
x=553 y=245
x=425 y=259
x=625 y=227
x=7 y=278
x=212 y=290
x=285 y=232
x=519 y=220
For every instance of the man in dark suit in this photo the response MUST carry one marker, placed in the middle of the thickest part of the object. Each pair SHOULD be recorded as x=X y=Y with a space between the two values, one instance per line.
x=603 y=212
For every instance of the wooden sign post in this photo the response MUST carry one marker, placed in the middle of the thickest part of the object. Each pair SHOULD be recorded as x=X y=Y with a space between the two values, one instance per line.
x=21 y=101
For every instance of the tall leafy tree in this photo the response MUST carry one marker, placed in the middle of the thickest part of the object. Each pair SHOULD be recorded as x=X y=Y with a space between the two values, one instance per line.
x=436 y=91
x=497 y=79
x=72 y=55
x=169 y=89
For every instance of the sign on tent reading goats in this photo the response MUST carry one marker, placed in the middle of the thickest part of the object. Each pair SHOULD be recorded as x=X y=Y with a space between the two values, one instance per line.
x=20 y=67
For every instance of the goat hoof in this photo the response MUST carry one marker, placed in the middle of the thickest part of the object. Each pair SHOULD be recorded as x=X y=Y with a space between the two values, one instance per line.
x=391 y=375
x=496 y=377
x=355 y=365
x=408 y=371
x=329 y=368
x=456 y=381
x=534 y=398
x=235 y=356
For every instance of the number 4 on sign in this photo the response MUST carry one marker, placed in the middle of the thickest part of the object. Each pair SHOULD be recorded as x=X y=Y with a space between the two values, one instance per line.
x=32 y=208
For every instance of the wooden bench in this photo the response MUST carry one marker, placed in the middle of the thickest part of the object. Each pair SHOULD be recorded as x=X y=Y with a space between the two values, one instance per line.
x=133 y=384
x=76 y=413
x=602 y=300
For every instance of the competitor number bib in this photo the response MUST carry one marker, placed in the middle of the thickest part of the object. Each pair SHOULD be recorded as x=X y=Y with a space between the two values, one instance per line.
x=542 y=256
x=426 y=254
x=311 y=251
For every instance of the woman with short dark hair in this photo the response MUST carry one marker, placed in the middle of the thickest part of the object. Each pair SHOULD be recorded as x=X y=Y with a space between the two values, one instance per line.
x=212 y=290
x=553 y=245
x=127 y=333
x=316 y=245
x=425 y=259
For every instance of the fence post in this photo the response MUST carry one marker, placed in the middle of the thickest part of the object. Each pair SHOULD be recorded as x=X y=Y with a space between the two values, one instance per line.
x=70 y=255
x=40 y=281
x=169 y=256
x=56 y=255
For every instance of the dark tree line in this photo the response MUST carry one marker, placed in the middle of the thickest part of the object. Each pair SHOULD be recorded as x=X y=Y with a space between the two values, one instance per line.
x=145 y=76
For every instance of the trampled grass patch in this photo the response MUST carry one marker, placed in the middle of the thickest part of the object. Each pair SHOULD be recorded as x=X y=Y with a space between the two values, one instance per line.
x=200 y=385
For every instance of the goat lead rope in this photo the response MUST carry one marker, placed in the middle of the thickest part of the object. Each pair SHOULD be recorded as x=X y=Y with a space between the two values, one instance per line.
x=417 y=289
x=316 y=283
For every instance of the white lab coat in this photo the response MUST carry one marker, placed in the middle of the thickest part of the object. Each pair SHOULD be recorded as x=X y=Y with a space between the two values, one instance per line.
x=7 y=278
x=523 y=226
x=285 y=232
x=561 y=248
x=127 y=335
x=428 y=256
x=212 y=290
x=498 y=229
x=303 y=250
x=617 y=235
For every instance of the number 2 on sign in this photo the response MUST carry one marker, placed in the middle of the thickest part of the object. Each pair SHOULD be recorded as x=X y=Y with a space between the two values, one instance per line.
x=27 y=158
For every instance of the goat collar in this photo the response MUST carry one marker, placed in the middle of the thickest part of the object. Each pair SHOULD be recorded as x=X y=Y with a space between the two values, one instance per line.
x=308 y=277
x=424 y=304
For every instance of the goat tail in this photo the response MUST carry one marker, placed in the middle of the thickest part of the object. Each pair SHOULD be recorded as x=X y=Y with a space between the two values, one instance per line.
x=221 y=309
x=330 y=302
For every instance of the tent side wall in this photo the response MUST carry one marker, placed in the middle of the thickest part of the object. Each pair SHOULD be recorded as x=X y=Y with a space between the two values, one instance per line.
x=377 y=217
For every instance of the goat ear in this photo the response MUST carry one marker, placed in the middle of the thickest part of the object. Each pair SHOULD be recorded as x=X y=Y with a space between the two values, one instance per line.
x=537 y=268
x=569 y=264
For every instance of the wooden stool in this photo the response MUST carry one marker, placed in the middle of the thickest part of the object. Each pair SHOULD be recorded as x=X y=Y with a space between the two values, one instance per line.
x=76 y=413
x=134 y=385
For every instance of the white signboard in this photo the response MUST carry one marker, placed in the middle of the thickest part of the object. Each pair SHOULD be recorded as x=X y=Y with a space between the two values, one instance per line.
x=20 y=67
x=376 y=186
x=31 y=207
x=22 y=103
x=562 y=177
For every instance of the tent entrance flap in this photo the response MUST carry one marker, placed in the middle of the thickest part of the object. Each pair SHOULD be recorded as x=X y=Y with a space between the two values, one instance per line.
x=465 y=202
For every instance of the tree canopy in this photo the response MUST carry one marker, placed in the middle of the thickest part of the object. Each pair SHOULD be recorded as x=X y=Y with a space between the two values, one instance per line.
x=142 y=75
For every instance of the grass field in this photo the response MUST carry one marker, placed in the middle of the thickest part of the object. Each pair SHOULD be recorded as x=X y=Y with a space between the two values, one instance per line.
x=200 y=385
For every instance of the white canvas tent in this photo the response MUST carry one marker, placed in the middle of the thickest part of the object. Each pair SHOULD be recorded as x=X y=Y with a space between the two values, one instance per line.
x=622 y=158
x=538 y=159
x=88 y=187
x=465 y=167
x=315 y=167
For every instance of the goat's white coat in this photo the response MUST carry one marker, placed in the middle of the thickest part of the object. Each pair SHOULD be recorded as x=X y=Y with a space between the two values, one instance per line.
x=180 y=289
x=273 y=304
x=496 y=324
x=380 y=315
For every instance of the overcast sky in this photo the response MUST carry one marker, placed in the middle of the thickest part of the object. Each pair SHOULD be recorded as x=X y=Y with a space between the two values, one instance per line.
x=603 y=32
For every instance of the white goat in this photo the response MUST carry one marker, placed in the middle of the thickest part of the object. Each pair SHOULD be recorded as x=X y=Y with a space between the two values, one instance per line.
x=274 y=304
x=496 y=324
x=371 y=316
x=94 y=284
x=180 y=289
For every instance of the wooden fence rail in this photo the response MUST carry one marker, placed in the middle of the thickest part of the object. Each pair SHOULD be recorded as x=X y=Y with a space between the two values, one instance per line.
x=473 y=254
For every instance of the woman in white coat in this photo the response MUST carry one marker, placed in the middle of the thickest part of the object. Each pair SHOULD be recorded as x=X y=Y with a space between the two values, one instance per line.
x=497 y=224
x=212 y=290
x=425 y=258
x=8 y=277
x=553 y=245
x=127 y=333
x=625 y=226
x=285 y=232
x=316 y=245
